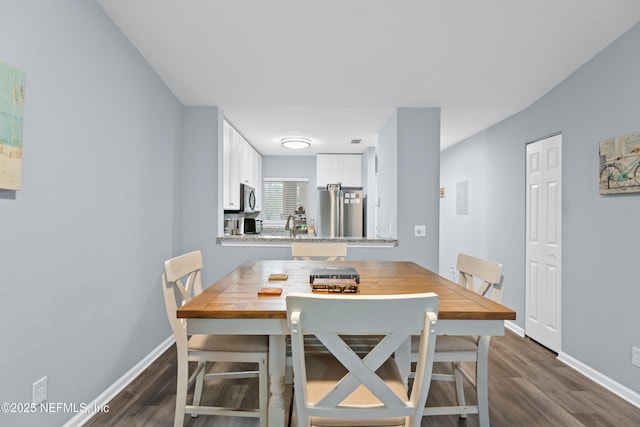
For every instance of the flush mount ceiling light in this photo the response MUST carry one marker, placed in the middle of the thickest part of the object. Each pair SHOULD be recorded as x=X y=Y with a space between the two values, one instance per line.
x=296 y=143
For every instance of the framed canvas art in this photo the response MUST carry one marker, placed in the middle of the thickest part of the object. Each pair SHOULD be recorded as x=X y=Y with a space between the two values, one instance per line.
x=620 y=164
x=11 y=113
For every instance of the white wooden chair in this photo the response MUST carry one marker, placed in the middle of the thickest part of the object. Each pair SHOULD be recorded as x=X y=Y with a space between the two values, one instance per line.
x=339 y=388
x=308 y=251
x=208 y=348
x=328 y=251
x=484 y=278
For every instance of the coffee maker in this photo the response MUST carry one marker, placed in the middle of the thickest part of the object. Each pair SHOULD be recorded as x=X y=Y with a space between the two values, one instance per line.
x=233 y=225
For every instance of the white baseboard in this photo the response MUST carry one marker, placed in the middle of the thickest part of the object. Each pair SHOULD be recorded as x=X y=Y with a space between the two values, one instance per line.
x=106 y=396
x=514 y=328
x=606 y=382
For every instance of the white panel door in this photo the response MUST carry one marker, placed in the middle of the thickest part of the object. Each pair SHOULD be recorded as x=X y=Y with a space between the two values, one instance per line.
x=543 y=252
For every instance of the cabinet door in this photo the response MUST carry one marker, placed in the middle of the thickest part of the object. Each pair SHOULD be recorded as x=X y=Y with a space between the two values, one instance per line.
x=345 y=169
x=326 y=169
x=350 y=170
x=248 y=159
x=242 y=164
x=226 y=160
x=231 y=183
x=252 y=165
x=253 y=171
x=257 y=172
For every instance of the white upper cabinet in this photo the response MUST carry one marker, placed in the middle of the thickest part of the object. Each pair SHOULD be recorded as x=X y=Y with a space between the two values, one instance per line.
x=231 y=183
x=242 y=164
x=254 y=174
x=345 y=169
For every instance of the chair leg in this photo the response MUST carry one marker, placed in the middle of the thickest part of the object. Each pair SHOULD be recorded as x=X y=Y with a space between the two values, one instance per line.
x=197 y=393
x=288 y=374
x=459 y=380
x=263 y=390
x=181 y=389
x=482 y=380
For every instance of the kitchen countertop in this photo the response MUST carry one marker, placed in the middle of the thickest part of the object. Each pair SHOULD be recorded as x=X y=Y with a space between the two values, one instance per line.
x=278 y=240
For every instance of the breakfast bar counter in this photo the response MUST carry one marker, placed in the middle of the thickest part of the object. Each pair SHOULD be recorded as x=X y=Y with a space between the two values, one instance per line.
x=278 y=240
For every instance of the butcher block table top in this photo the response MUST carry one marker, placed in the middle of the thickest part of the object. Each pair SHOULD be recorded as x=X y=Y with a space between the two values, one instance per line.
x=235 y=296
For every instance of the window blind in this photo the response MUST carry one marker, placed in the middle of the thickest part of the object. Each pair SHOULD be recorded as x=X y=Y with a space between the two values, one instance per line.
x=282 y=196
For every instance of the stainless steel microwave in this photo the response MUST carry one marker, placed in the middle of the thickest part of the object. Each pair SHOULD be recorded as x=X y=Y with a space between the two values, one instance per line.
x=247 y=198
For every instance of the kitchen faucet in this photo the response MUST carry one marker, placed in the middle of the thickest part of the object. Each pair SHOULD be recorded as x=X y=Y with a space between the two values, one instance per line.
x=292 y=229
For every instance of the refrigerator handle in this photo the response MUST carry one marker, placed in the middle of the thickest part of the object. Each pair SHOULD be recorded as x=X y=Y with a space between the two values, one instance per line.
x=340 y=213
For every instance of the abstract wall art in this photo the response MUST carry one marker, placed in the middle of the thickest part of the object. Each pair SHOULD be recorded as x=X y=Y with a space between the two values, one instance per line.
x=11 y=114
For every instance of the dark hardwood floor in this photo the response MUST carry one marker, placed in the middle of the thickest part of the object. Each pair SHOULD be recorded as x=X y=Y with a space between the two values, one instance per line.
x=528 y=387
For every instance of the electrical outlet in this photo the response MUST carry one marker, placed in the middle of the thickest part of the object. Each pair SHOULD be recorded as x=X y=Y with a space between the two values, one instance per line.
x=635 y=356
x=39 y=391
x=419 y=230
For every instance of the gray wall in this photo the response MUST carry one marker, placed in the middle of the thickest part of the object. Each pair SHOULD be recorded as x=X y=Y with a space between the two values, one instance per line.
x=408 y=183
x=82 y=242
x=387 y=150
x=418 y=184
x=201 y=133
x=600 y=291
x=371 y=190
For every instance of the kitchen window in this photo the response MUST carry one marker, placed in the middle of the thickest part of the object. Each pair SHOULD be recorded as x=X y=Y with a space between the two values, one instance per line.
x=281 y=197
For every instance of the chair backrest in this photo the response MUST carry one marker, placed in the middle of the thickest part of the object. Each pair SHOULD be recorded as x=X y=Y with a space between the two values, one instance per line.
x=328 y=251
x=181 y=281
x=392 y=318
x=480 y=276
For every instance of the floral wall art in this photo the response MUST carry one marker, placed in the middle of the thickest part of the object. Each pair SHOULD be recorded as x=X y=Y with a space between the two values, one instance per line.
x=11 y=114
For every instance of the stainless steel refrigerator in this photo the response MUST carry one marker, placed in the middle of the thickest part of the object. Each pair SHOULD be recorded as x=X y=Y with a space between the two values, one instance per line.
x=340 y=212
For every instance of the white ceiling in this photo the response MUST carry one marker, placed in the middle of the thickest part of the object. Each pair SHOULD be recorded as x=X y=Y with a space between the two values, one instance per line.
x=335 y=70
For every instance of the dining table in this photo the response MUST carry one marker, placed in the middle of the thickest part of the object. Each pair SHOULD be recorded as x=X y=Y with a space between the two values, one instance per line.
x=248 y=301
